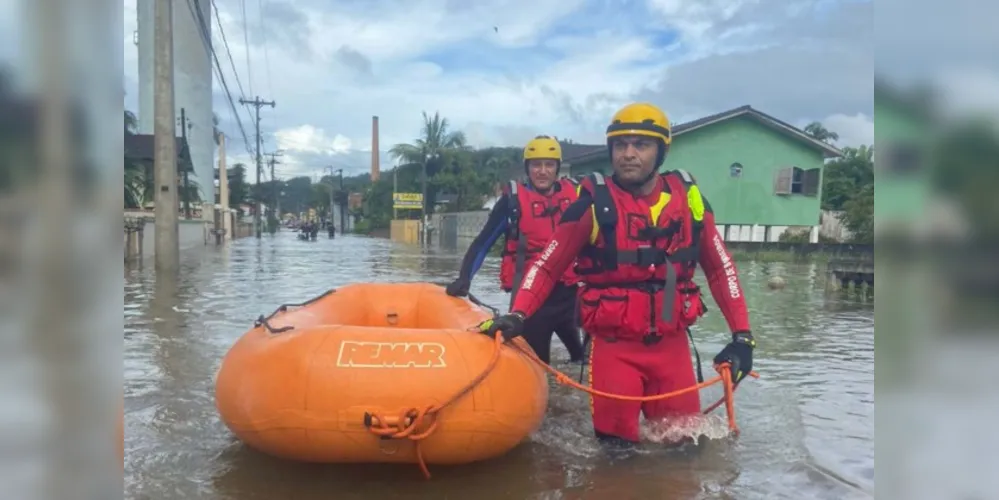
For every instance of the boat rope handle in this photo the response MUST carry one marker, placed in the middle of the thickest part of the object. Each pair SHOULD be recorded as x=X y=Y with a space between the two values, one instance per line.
x=417 y=424
x=263 y=320
x=724 y=377
x=475 y=300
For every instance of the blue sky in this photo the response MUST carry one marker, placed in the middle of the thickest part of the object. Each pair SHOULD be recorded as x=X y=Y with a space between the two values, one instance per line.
x=505 y=70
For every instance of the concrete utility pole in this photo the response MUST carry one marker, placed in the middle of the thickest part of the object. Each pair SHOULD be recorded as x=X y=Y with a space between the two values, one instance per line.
x=343 y=220
x=224 y=190
x=330 y=168
x=167 y=237
x=186 y=125
x=343 y=205
x=257 y=104
x=274 y=185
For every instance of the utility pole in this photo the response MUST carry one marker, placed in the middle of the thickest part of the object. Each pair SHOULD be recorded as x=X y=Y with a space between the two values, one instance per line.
x=343 y=205
x=257 y=104
x=330 y=168
x=185 y=125
x=274 y=186
x=224 y=190
x=167 y=237
x=342 y=218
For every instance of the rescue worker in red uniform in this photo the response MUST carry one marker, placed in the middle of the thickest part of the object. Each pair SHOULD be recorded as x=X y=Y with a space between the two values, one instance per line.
x=527 y=214
x=637 y=238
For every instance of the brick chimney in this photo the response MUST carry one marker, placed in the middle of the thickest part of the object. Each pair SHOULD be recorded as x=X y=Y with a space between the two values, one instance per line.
x=374 y=149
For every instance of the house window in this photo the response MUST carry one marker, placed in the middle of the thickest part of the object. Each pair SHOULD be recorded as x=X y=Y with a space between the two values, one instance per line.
x=735 y=169
x=903 y=159
x=795 y=180
x=796 y=175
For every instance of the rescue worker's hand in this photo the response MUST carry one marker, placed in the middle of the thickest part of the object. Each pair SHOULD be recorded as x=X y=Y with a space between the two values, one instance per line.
x=739 y=355
x=458 y=288
x=512 y=325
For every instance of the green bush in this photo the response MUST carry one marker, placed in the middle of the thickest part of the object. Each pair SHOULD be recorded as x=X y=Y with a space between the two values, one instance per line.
x=799 y=237
x=362 y=226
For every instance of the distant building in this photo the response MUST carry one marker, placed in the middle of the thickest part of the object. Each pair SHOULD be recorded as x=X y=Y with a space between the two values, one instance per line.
x=355 y=201
x=761 y=175
x=140 y=149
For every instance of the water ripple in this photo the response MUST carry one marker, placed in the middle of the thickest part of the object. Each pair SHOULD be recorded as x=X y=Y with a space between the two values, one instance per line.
x=807 y=425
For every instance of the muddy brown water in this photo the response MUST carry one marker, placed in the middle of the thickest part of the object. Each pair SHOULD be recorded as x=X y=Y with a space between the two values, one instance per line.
x=807 y=424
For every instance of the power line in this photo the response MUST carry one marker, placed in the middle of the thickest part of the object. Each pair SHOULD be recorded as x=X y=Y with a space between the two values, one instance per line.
x=246 y=43
x=206 y=40
x=225 y=43
x=257 y=104
x=267 y=57
x=274 y=189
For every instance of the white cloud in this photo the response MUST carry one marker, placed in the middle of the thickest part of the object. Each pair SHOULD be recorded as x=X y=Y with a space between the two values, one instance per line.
x=969 y=91
x=309 y=139
x=853 y=130
x=500 y=70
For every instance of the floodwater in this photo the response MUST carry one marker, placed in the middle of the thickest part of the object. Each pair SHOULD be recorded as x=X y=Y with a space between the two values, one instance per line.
x=807 y=423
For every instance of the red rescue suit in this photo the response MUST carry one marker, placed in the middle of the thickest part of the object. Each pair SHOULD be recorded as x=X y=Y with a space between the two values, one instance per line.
x=532 y=221
x=637 y=302
x=636 y=261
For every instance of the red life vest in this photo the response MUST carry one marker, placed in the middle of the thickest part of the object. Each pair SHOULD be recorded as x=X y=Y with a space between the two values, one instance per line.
x=637 y=271
x=530 y=225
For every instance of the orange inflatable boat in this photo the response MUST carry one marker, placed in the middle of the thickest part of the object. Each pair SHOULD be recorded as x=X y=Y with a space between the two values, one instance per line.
x=379 y=373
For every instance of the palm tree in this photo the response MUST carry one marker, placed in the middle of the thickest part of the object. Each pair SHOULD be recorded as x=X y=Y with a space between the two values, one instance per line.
x=436 y=146
x=821 y=133
x=435 y=141
x=135 y=175
x=216 y=131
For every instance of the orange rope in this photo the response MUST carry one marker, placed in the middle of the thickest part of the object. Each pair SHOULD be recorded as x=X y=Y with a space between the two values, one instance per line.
x=408 y=421
x=405 y=425
x=724 y=377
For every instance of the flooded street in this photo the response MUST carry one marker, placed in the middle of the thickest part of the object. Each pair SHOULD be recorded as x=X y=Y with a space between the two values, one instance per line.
x=807 y=423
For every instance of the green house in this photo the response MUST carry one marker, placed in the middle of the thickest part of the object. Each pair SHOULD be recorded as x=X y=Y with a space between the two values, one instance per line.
x=902 y=176
x=761 y=175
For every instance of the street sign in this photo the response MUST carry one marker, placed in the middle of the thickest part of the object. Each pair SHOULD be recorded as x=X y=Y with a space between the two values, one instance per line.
x=407 y=200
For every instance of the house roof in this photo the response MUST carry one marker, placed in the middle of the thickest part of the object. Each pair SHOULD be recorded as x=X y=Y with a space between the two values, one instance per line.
x=778 y=125
x=916 y=102
x=576 y=150
x=142 y=147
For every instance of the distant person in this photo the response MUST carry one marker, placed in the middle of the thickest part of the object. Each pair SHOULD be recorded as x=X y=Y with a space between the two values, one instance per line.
x=526 y=214
x=331 y=229
x=637 y=238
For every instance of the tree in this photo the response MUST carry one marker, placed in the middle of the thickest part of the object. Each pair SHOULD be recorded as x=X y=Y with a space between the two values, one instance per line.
x=437 y=146
x=858 y=216
x=137 y=191
x=965 y=167
x=820 y=133
x=844 y=177
x=238 y=189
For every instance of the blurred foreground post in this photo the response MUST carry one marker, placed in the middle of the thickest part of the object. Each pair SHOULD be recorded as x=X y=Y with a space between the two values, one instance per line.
x=167 y=237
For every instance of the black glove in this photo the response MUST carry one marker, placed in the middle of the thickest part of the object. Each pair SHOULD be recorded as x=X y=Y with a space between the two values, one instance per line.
x=512 y=325
x=458 y=287
x=739 y=355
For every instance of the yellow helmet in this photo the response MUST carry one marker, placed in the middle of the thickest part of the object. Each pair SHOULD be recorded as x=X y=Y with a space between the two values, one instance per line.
x=543 y=147
x=641 y=118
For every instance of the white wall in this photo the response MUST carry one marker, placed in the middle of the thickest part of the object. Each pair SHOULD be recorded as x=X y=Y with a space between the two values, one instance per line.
x=192 y=83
